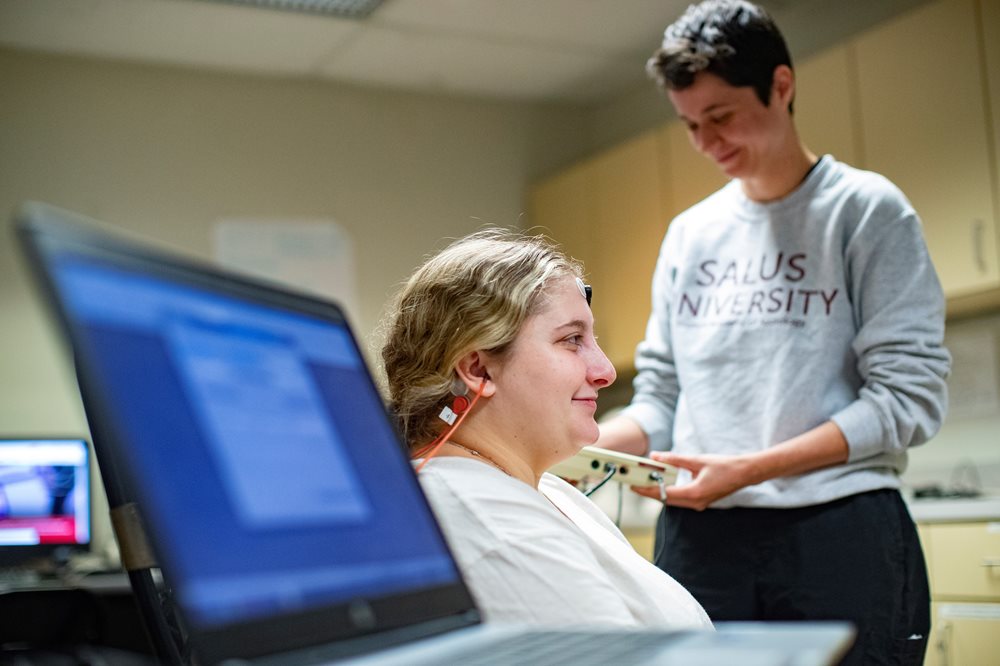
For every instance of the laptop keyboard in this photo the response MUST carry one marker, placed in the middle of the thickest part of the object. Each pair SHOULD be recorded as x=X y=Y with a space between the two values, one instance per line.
x=562 y=647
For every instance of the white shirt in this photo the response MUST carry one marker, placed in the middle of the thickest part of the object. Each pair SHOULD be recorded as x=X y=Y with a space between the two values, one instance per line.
x=550 y=556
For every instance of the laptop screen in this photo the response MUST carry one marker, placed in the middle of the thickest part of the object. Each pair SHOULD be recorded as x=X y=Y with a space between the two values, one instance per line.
x=249 y=431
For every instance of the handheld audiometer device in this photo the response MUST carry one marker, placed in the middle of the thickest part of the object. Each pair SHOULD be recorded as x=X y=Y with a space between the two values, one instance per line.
x=630 y=470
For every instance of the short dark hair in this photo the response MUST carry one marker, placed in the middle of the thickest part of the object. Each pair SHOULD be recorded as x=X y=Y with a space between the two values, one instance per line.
x=736 y=40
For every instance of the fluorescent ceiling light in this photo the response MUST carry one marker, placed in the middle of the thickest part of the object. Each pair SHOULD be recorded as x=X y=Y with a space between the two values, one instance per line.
x=356 y=9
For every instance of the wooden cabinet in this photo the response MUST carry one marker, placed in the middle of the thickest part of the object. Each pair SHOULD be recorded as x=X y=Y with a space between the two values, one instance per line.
x=629 y=230
x=964 y=635
x=923 y=123
x=563 y=208
x=687 y=176
x=989 y=21
x=826 y=105
x=963 y=561
x=608 y=212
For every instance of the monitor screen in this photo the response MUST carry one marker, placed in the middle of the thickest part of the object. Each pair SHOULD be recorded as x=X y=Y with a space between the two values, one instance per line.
x=44 y=498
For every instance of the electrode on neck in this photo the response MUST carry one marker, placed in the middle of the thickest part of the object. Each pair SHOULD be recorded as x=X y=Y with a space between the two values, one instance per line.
x=459 y=404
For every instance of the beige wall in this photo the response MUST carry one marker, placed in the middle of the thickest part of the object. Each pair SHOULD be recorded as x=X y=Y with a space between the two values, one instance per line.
x=165 y=152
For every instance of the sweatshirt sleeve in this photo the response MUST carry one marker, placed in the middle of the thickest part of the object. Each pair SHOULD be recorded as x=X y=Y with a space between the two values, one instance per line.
x=656 y=388
x=898 y=308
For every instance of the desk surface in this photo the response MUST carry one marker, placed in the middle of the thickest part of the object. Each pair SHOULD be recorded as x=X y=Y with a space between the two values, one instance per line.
x=25 y=579
x=96 y=610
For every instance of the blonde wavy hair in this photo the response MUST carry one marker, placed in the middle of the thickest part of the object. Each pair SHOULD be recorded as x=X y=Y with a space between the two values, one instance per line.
x=473 y=295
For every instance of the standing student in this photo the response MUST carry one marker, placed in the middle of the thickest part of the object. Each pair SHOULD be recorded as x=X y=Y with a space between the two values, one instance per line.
x=792 y=356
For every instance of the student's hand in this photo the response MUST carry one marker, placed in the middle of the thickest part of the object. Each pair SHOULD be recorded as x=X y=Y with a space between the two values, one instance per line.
x=713 y=477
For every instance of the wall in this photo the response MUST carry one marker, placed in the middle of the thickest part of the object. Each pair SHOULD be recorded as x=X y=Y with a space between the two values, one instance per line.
x=165 y=152
x=966 y=452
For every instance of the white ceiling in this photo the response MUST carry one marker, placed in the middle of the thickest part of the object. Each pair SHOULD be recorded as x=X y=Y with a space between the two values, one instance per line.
x=578 y=51
x=586 y=52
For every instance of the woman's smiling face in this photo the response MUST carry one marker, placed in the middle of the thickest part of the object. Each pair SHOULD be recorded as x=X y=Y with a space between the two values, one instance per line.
x=547 y=382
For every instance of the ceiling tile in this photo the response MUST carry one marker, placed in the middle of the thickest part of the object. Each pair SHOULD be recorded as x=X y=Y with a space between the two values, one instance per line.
x=451 y=64
x=175 y=31
x=608 y=26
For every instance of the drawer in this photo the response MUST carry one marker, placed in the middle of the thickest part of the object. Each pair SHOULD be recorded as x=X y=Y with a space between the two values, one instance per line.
x=964 y=560
x=964 y=634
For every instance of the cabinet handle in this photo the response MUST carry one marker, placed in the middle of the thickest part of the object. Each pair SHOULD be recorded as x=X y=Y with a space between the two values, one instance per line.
x=943 y=643
x=978 y=234
x=991 y=561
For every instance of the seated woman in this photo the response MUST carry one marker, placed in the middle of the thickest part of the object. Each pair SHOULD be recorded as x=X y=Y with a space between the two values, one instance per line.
x=504 y=319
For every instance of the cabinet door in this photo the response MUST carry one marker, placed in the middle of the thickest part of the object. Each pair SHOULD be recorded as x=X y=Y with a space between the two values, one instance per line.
x=989 y=20
x=562 y=208
x=689 y=176
x=607 y=212
x=966 y=561
x=964 y=635
x=923 y=124
x=824 y=105
x=630 y=227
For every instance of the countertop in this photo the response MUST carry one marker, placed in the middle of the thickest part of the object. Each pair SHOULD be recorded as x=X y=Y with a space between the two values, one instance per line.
x=985 y=508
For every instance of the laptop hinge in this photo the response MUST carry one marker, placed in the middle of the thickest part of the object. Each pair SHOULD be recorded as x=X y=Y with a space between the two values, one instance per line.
x=135 y=551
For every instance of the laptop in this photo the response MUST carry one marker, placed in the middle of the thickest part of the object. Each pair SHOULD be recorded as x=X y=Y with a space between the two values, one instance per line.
x=241 y=423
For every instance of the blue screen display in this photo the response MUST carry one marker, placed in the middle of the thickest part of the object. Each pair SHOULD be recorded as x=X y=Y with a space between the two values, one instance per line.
x=259 y=448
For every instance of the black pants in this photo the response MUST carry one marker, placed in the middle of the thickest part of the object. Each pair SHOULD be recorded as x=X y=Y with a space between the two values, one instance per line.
x=857 y=559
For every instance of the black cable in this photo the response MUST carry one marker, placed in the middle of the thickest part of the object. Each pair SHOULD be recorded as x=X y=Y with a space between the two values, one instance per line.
x=611 y=468
x=618 y=515
x=658 y=539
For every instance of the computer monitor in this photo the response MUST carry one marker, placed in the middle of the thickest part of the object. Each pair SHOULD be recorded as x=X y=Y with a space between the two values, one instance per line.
x=45 y=501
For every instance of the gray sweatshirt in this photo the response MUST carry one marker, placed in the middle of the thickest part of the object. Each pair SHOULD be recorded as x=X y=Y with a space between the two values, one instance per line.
x=771 y=319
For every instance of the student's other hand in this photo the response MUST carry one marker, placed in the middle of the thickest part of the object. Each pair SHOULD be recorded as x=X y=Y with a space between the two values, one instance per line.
x=713 y=477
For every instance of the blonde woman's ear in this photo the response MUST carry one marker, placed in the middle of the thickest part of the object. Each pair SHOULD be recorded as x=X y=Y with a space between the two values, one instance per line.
x=471 y=371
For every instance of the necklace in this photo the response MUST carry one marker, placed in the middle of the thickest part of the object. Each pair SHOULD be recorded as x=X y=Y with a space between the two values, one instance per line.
x=479 y=455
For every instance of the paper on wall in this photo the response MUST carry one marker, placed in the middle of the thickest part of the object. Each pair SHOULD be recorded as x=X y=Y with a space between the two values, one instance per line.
x=315 y=255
